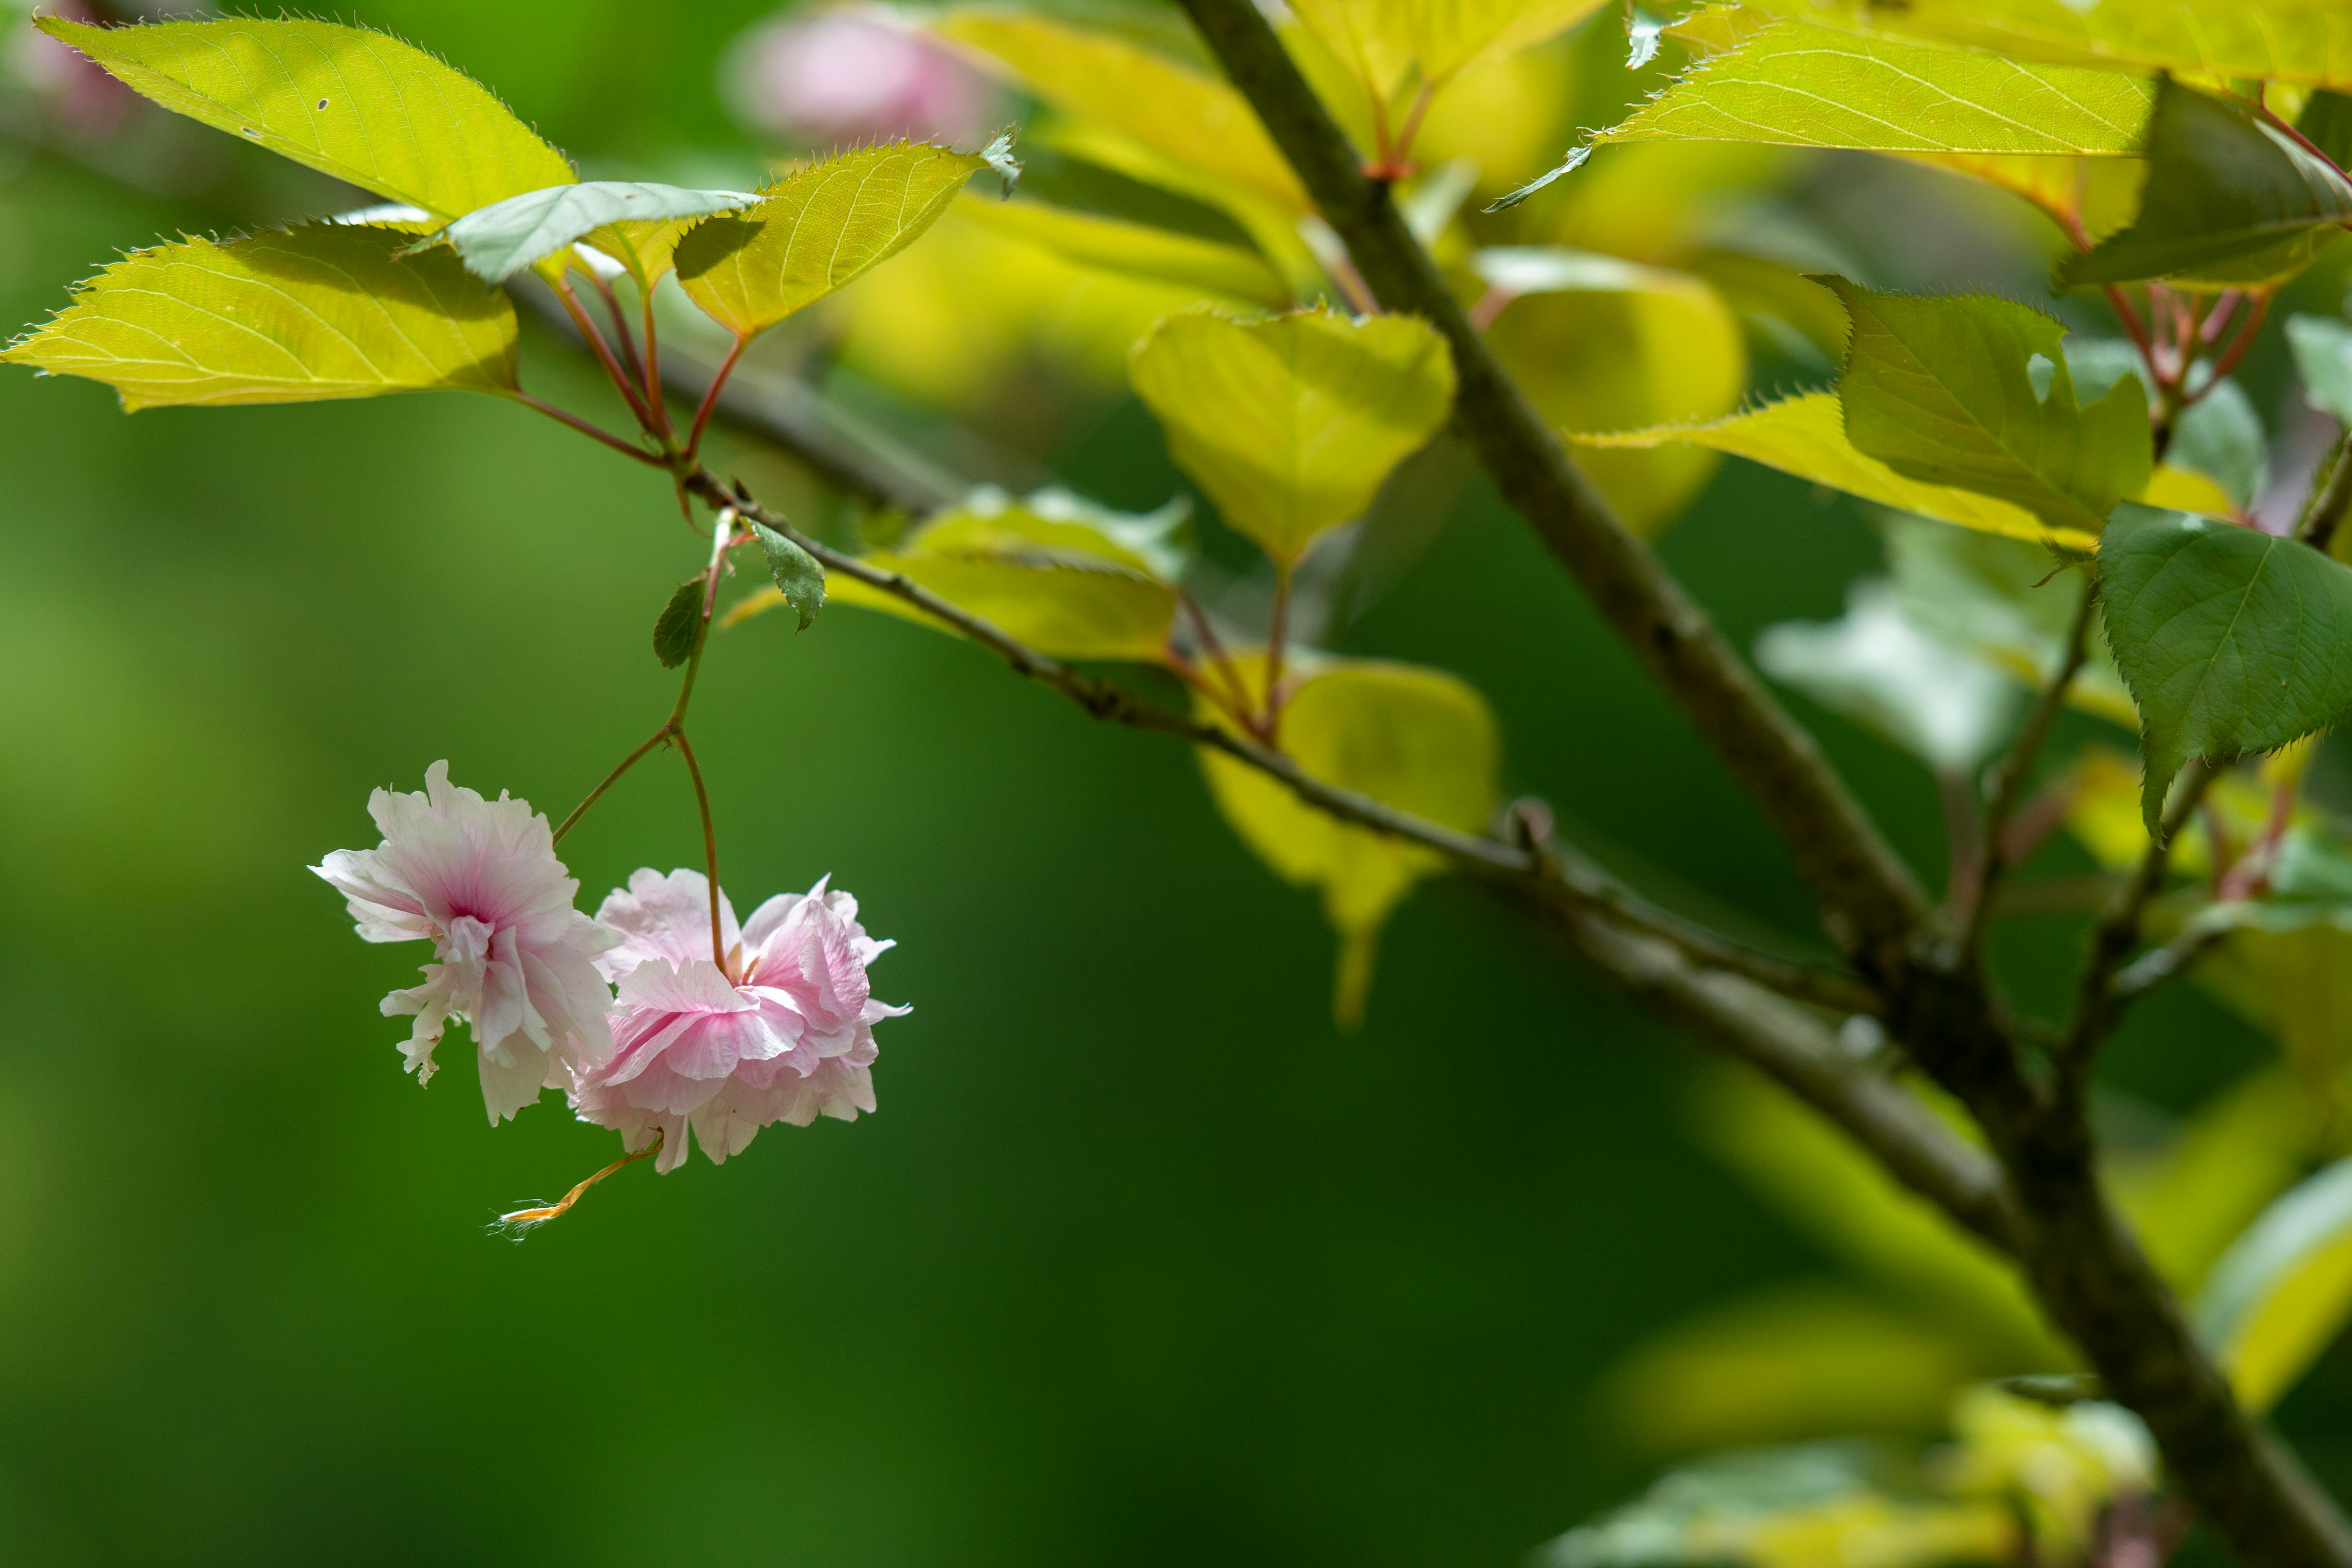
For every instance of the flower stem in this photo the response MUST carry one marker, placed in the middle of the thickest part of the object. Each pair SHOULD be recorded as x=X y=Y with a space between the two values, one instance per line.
x=522 y=1221
x=710 y=847
x=628 y=762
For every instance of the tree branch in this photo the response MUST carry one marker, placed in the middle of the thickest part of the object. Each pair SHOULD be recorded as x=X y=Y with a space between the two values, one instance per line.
x=2079 y=1256
x=1872 y=905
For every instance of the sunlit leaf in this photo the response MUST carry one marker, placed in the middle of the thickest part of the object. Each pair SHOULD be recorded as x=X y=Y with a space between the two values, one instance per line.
x=2307 y=41
x=2229 y=201
x=1878 y=667
x=1066 y=578
x=1385 y=41
x=2283 y=1289
x=2062 y=1465
x=1803 y=1361
x=1418 y=740
x=1290 y=425
x=2240 y=1151
x=286 y=316
x=1790 y=1508
x=2322 y=361
x=2233 y=640
x=1136 y=249
x=499 y=240
x=1810 y=86
x=817 y=230
x=1944 y=390
x=1813 y=1173
x=1599 y=343
x=1190 y=119
x=356 y=104
x=1805 y=436
x=2088 y=199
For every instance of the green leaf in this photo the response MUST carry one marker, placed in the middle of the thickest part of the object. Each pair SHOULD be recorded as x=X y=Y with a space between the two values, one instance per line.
x=291 y=316
x=2231 y=640
x=2327 y=123
x=1136 y=250
x=2283 y=1289
x=1068 y=579
x=817 y=230
x=1599 y=343
x=1382 y=42
x=2306 y=41
x=1817 y=1503
x=2229 y=200
x=1943 y=390
x=1880 y=669
x=499 y=240
x=1418 y=740
x=680 y=624
x=2240 y=1150
x=2219 y=436
x=1786 y=1361
x=1800 y=85
x=359 y=105
x=1805 y=436
x=1290 y=425
x=2322 y=360
x=798 y=576
x=1193 y=121
x=1997 y=598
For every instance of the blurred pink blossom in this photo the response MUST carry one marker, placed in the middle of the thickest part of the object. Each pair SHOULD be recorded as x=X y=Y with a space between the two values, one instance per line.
x=855 y=75
x=478 y=878
x=79 y=97
x=784 y=1033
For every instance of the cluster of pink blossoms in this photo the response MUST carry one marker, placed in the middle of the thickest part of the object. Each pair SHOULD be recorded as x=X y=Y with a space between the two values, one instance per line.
x=782 y=1032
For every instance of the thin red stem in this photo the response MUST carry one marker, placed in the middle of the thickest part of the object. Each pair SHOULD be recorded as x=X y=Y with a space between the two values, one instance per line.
x=595 y=340
x=1219 y=659
x=710 y=398
x=585 y=428
x=620 y=322
x=2241 y=343
x=653 y=398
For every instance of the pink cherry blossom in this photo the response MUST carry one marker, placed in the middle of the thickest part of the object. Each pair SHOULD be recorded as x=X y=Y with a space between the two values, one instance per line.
x=783 y=1032
x=516 y=963
x=860 y=74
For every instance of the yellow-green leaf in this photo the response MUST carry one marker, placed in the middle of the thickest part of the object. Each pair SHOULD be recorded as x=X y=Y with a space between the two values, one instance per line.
x=1385 y=41
x=2283 y=1289
x=1067 y=579
x=1600 y=343
x=2240 y=1151
x=1192 y=120
x=292 y=316
x=2088 y=199
x=1805 y=436
x=817 y=229
x=2306 y=41
x=356 y=104
x=1136 y=249
x=1291 y=423
x=1418 y=740
x=1806 y=86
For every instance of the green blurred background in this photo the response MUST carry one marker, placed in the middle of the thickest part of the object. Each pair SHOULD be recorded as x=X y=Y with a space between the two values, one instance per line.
x=1141 y=1261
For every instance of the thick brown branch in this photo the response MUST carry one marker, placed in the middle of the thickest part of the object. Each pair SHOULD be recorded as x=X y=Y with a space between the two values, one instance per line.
x=1872 y=905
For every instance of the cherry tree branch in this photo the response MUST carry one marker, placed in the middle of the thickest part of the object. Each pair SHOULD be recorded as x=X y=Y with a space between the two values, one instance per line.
x=1873 y=904
x=2076 y=1253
